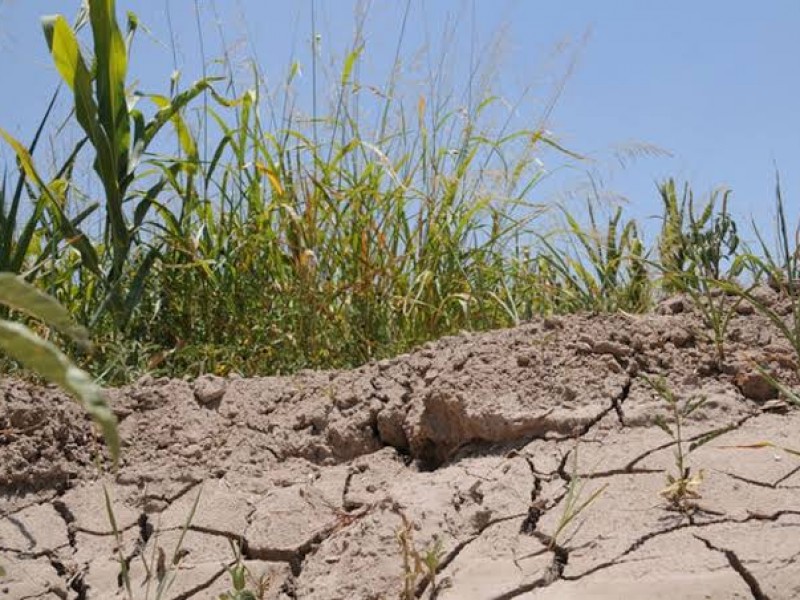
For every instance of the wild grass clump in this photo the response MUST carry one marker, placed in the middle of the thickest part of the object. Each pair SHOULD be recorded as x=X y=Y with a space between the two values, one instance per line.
x=267 y=244
x=324 y=242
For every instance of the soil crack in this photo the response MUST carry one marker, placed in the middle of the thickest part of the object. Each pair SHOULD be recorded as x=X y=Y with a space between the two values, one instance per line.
x=737 y=565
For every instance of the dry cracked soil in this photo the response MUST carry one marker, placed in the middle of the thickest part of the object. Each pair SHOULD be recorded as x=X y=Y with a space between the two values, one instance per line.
x=525 y=463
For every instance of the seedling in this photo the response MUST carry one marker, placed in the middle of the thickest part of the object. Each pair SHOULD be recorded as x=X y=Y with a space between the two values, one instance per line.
x=157 y=567
x=574 y=501
x=716 y=309
x=241 y=577
x=417 y=564
x=683 y=485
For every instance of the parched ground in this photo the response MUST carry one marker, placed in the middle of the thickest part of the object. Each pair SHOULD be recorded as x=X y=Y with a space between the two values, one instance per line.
x=466 y=446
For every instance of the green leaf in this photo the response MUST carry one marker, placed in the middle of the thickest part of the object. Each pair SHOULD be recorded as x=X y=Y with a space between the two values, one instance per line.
x=21 y=344
x=185 y=138
x=168 y=111
x=18 y=294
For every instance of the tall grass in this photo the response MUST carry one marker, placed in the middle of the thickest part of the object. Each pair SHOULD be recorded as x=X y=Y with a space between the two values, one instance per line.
x=270 y=244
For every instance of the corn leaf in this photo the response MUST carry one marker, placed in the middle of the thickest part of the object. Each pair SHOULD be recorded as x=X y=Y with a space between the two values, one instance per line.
x=21 y=344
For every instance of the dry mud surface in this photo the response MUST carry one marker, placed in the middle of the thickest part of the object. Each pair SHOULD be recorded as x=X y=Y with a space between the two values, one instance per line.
x=468 y=441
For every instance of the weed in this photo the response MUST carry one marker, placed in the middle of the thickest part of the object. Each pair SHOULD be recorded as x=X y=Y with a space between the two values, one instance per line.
x=417 y=563
x=297 y=243
x=693 y=242
x=243 y=582
x=158 y=568
x=602 y=272
x=574 y=501
x=329 y=241
x=782 y=269
x=709 y=298
x=683 y=485
x=692 y=251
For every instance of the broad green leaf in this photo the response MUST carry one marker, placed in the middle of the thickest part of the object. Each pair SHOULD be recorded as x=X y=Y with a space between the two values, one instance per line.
x=63 y=46
x=111 y=66
x=21 y=344
x=20 y=295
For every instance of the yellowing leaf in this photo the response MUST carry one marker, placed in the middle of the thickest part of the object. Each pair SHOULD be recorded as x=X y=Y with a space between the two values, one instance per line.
x=274 y=181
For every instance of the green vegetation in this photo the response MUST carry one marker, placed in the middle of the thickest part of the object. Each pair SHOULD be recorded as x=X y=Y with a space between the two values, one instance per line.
x=160 y=570
x=419 y=567
x=45 y=359
x=576 y=501
x=683 y=485
x=269 y=244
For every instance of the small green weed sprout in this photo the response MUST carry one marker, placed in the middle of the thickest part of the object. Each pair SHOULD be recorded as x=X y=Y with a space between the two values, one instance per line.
x=575 y=502
x=683 y=485
x=157 y=567
x=417 y=563
x=709 y=298
x=243 y=582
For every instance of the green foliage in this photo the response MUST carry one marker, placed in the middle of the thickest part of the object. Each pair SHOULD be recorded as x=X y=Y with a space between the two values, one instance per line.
x=242 y=579
x=159 y=569
x=781 y=268
x=683 y=485
x=268 y=242
x=418 y=564
x=692 y=242
x=603 y=272
x=44 y=358
x=693 y=249
x=575 y=500
x=119 y=135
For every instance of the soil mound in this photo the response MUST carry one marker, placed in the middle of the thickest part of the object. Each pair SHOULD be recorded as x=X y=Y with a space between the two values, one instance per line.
x=525 y=463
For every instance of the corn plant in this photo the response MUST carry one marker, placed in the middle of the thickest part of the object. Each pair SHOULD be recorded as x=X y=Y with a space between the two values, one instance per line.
x=289 y=242
x=119 y=134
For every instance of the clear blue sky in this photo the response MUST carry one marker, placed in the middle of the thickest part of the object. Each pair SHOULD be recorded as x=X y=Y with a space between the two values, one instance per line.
x=714 y=82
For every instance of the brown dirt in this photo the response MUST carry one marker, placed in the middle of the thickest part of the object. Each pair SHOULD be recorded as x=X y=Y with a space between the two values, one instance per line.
x=468 y=440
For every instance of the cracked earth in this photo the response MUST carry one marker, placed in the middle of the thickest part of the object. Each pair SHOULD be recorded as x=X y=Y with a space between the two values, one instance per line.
x=469 y=442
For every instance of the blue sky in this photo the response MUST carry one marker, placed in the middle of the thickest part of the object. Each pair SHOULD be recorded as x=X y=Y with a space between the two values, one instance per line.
x=715 y=83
